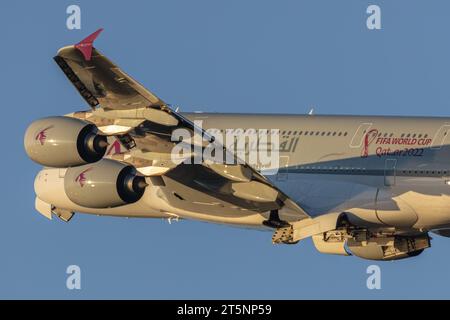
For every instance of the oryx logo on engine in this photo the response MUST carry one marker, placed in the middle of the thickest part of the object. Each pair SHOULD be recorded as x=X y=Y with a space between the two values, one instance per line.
x=41 y=136
x=81 y=178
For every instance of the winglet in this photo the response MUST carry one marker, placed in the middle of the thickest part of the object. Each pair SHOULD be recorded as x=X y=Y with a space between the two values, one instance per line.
x=85 y=45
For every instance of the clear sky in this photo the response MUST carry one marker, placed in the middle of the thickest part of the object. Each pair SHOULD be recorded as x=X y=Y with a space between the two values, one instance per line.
x=228 y=56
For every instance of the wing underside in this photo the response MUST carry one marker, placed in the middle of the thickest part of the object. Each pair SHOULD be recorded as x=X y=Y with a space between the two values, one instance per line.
x=147 y=122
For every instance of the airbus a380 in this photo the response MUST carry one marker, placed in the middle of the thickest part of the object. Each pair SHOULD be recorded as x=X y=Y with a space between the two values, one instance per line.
x=368 y=186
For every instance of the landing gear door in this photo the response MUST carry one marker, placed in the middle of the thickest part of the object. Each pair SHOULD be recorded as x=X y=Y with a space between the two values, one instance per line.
x=389 y=172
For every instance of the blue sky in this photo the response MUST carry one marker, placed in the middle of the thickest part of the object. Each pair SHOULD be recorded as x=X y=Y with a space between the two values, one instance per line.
x=227 y=56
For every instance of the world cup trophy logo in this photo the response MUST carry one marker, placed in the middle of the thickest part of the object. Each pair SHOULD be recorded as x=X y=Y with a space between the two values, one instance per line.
x=369 y=137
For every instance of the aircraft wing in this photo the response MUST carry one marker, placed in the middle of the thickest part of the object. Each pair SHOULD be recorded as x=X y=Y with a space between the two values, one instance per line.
x=147 y=122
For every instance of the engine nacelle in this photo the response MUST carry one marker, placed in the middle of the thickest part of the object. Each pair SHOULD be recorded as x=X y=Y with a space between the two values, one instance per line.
x=325 y=244
x=389 y=248
x=64 y=142
x=104 y=184
x=368 y=246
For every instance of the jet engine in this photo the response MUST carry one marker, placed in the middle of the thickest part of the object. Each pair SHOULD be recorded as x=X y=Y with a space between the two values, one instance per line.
x=389 y=248
x=104 y=184
x=64 y=142
x=365 y=245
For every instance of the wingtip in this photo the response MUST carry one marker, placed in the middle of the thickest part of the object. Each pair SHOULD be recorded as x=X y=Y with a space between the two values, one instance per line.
x=85 y=45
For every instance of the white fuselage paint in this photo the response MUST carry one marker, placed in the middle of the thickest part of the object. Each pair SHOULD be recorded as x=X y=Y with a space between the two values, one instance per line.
x=326 y=174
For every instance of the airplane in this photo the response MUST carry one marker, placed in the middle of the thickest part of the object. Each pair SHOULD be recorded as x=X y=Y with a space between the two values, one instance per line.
x=374 y=187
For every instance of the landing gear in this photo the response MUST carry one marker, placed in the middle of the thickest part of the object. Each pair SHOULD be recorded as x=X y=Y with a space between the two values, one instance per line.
x=284 y=236
x=283 y=230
